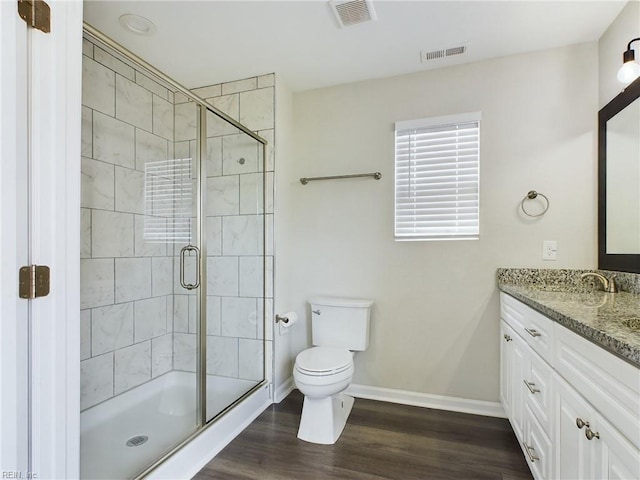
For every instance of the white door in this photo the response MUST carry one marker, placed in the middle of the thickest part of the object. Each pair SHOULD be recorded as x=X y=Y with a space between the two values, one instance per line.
x=40 y=90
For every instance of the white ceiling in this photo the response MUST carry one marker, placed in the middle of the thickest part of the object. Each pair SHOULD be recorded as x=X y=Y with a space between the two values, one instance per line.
x=206 y=42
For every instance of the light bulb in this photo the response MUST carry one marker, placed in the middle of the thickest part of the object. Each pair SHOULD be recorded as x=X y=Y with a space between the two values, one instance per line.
x=629 y=72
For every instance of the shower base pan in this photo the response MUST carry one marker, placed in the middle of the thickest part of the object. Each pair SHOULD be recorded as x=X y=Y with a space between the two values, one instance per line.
x=122 y=436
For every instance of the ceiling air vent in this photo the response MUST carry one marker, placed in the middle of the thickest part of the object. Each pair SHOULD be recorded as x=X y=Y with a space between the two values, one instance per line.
x=442 y=53
x=352 y=12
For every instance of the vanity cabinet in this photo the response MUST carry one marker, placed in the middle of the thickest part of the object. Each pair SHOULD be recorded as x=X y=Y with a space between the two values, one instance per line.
x=526 y=388
x=574 y=407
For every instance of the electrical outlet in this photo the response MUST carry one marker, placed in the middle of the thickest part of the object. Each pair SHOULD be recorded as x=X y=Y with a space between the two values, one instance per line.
x=549 y=249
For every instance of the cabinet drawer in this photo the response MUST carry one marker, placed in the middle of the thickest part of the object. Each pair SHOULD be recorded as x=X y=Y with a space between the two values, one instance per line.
x=611 y=384
x=537 y=447
x=538 y=392
x=535 y=328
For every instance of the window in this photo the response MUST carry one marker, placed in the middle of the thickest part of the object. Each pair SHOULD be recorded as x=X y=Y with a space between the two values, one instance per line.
x=437 y=178
x=168 y=201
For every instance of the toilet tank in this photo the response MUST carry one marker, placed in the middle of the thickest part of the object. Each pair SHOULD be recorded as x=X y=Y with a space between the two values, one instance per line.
x=340 y=322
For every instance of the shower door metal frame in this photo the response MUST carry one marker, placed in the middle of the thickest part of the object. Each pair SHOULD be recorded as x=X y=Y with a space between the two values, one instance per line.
x=201 y=315
x=201 y=327
x=132 y=57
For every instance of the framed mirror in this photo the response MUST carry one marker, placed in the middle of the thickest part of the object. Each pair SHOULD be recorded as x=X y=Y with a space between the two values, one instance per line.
x=619 y=182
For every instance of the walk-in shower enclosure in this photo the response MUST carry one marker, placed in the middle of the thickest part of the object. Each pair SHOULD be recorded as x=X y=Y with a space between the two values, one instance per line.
x=172 y=261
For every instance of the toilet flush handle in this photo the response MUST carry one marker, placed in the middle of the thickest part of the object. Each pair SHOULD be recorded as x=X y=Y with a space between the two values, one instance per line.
x=317 y=312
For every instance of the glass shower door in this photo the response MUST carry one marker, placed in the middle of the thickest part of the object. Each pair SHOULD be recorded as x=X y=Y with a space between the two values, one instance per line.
x=138 y=381
x=172 y=265
x=235 y=264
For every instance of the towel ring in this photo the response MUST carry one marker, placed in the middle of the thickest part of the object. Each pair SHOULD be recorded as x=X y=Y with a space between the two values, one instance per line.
x=530 y=196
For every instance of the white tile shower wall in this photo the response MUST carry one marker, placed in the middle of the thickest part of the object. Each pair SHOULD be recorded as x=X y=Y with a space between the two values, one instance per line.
x=234 y=167
x=127 y=287
x=137 y=322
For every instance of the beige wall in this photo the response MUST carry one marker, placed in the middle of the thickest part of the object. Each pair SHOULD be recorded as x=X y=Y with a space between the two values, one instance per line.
x=435 y=319
x=283 y=301
x=612 y=44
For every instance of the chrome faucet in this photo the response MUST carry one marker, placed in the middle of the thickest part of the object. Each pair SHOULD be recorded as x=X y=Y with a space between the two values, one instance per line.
x=608 y=284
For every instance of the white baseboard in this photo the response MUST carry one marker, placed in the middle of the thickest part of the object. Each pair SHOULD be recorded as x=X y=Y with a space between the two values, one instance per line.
x=196 y=454
x=440 y=402
x=284 y=389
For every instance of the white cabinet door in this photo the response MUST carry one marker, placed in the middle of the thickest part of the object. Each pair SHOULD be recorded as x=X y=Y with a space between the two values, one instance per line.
x=576 y=457
x=513 y=364
x=617 y=458
x=606 y=455
x=506 y=342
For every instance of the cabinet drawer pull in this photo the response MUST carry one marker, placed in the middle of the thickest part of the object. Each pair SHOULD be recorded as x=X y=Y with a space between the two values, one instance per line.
x=580 y=423
x=530 y=451
x=533 y=332
x=590 y=434
x=507 y=337
x=530 y=386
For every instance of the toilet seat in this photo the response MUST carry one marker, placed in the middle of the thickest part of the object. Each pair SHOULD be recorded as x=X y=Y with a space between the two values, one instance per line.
x=324 y=361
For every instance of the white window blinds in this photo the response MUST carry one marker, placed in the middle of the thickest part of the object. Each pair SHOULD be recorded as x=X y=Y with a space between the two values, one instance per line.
x=168 y=201
x=437 y=178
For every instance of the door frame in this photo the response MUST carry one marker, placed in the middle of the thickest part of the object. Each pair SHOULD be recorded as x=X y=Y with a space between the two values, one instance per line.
x=14 y=414
x=54 y=62
x=56 y=86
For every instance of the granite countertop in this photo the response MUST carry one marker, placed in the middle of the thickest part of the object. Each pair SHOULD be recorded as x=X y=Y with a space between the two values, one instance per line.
x=610 y=320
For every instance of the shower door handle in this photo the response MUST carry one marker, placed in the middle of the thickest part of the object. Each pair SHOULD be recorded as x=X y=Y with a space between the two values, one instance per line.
x=183 y=254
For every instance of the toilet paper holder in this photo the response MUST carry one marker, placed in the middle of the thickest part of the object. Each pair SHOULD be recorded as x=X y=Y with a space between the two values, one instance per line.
x=281 y=319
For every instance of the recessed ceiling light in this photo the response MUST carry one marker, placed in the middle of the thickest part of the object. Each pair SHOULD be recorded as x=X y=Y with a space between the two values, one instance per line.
x=137 y=24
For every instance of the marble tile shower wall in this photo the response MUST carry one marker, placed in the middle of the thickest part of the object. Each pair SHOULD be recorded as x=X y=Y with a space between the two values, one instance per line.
x=234 y=166
x=126 y=283
x=137 y=321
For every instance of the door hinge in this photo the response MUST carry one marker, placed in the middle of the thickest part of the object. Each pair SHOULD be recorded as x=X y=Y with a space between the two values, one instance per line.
x=34 y=281
x=36 y=13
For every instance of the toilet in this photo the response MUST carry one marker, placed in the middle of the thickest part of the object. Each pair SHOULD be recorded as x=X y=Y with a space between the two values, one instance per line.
x=339 y=327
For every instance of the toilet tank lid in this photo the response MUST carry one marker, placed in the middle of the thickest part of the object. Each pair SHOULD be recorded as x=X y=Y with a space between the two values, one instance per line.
x=341 y=302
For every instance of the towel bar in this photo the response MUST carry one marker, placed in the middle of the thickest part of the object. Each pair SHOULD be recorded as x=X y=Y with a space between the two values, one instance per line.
x=376 y=175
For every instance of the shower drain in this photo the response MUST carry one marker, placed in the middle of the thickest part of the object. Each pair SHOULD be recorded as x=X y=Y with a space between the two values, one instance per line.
x=137 y=440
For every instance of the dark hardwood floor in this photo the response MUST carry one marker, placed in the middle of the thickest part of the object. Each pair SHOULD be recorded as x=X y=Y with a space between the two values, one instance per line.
x=381 y=440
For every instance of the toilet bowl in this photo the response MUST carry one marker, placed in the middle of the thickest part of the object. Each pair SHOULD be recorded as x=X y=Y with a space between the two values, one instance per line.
x=323 y=372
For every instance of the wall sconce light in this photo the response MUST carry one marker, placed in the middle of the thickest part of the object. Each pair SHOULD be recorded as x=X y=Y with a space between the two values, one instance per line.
x=630 y=69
